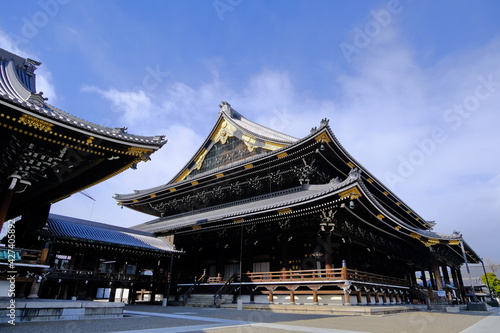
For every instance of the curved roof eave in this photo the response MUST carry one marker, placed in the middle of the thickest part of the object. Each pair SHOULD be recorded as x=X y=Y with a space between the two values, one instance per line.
x=14 y=91
x=250 y=207
x=365 y=171
x=229 y=114
x=413 y=232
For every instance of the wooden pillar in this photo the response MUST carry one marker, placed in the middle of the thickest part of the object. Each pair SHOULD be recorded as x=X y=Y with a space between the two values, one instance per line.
x=112 y=294
x=455 y=283
x=398 y=299
x=461 y=286
x=359 y=297
x=35 y=287
x=437 y=275
x=292 y=293
x=433 y=282
x=327 y=250
x=315 y=296
x=368 y=298
x=271 y=289
x=315 y=289
x=344 y=270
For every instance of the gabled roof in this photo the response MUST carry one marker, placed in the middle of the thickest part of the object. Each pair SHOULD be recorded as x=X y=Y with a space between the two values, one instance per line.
x=231 y=124
x=257 y=139
x=94 y=232
x=322 y=137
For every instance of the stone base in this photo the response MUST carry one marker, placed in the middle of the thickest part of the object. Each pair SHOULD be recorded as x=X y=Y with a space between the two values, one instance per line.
x=452 y=309
x=22 y=310
x=480 y=306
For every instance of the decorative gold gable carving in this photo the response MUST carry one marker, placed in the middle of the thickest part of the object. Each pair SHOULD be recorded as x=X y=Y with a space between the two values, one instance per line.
x=352 y=193
x=36 y=123
x=224 y=131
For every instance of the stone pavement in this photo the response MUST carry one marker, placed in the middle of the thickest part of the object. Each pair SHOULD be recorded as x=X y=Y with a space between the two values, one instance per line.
x=156 y=319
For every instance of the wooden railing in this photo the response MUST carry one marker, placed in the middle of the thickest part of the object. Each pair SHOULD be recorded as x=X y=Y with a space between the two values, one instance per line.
x=355 y=275
x=323 y=275
x=302 y=275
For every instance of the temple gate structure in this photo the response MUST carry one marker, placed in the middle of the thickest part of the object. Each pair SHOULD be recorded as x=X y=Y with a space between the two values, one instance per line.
x=271 y=218
x=47 y=155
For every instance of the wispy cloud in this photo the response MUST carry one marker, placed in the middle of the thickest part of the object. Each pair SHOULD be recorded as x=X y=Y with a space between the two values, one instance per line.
x=43 y=75
x=133 y=106
x=391 y=105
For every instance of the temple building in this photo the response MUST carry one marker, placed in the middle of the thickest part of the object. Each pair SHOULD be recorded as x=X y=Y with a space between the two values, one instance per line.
x=276 y=219
x=47 y=155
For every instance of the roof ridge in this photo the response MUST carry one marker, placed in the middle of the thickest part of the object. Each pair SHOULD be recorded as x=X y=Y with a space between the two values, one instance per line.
x=232 y=114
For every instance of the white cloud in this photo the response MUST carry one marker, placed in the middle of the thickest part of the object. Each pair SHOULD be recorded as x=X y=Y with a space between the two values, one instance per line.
x=133 y=105
x=43 y=75
x=390 y=107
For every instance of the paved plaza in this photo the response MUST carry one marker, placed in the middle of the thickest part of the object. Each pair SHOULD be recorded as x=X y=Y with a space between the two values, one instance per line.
x=156 y=319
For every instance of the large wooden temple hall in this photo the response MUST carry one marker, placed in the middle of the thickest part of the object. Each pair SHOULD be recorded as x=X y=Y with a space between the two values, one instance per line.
x=272 y=218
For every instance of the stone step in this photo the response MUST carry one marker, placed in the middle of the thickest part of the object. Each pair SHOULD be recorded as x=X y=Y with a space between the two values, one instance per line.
x=206 y=300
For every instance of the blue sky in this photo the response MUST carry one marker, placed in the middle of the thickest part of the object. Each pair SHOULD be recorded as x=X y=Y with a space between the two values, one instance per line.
x=411 y=88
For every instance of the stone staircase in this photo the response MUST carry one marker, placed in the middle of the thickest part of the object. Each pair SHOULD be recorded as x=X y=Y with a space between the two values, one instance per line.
x=207 y=300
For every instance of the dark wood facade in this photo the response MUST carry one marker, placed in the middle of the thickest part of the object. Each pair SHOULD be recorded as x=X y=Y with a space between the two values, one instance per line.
x=47 y=155
x=274 y=203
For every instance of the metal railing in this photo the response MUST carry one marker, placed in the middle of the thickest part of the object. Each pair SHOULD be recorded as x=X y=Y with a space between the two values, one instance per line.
x=187 y=294
x=222 y=290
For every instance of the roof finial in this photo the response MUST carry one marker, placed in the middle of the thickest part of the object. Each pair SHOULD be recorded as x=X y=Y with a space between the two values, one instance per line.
x=324 y=122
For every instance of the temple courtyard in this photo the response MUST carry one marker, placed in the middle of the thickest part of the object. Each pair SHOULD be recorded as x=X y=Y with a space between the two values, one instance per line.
x=156 y=319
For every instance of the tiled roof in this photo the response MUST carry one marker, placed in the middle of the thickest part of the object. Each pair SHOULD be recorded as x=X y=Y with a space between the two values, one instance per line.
x=17 y=86
x=251 y=127
x=246 y=207
x=88 y=231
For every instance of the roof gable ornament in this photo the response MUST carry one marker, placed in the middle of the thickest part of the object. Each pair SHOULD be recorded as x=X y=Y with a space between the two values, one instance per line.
x=118 y=130
x=324 y=122
x=354 y=174
x=38 y=99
